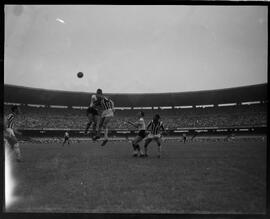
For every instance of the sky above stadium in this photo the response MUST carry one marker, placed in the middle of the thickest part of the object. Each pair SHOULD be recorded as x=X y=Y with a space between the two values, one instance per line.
x=135 y=49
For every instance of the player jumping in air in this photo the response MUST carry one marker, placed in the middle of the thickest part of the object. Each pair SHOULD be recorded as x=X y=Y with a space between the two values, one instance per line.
x=155 y=127
x=107 y=114
x=140 y=124
x=9 y=132
x=92 y=114
x=66 y=138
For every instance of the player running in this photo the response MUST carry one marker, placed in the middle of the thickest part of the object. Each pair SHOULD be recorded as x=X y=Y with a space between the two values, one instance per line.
x=107 y=107
x=140 y=124
x=66 y=138
x=92 y=114
x=9 y=132
x=155 y=127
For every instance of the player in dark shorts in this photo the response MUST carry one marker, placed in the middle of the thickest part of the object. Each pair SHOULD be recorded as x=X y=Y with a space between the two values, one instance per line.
x=184 y=137
x=92 y=115
x=66 y=138
x=140 y=124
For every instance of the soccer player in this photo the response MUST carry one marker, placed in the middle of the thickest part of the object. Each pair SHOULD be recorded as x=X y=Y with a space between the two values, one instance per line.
x=9 y=132
x=140 y=124
x=107 y=107
x=92 y=114
x=155 y=127
x=66 y=138
x=184 y=137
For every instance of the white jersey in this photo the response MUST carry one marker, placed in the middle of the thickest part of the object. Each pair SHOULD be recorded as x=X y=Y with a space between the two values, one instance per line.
x=66 y=135
x=93 y=100
x=141 y=124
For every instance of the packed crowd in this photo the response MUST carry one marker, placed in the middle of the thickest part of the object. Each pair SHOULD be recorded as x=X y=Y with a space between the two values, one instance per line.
x=235 y=116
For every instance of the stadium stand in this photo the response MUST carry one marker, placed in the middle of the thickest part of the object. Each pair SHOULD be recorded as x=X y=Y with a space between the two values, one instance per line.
x=74 y=115
x=229 y=116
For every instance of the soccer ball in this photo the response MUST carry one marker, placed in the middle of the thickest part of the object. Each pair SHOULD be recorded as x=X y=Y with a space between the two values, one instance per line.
x=79 y=74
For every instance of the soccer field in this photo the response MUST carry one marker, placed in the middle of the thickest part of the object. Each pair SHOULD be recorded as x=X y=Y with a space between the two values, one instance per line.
x=198 y=177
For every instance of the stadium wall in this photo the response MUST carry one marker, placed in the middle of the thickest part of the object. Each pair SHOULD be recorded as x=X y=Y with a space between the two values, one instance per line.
x=128 y=133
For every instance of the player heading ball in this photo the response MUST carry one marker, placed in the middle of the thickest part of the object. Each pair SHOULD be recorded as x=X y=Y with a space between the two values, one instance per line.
x=107 y=113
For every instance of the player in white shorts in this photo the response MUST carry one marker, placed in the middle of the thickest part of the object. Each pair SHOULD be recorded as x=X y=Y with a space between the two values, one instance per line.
x=9 y=132
x=140 y=124
x=155 y=127
x=107 y=114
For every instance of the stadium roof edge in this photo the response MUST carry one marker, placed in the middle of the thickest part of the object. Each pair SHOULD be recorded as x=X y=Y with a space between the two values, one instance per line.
x=168 y=93
x=28 y=95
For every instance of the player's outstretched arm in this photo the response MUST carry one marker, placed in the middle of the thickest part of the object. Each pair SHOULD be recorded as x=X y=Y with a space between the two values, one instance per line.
x=132 y=123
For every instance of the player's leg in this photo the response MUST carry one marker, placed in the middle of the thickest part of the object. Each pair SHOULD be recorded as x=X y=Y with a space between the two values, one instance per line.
x=184 y=139
x=89 y=116
x=106 y=129
x=100 y=125
x=158 y=141
x=16 y=148
x=136 y=146
x=89 y=123
x=12 y=140
x=65 y=140
x=8 y=148
x=94 y=127
x=7 y=145
x=146 y=143
x=18 y=152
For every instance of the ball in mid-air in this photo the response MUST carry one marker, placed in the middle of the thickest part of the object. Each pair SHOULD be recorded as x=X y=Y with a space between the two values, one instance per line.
x=79 y=74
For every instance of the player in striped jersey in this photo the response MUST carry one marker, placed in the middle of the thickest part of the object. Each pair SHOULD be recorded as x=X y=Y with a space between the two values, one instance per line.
x=107 y=107
x=140 y=124
x=155 y=127
x=9 y=132
x=92 y=114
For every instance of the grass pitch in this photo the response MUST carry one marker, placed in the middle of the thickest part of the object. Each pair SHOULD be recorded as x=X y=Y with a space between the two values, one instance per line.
x=199 y=177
